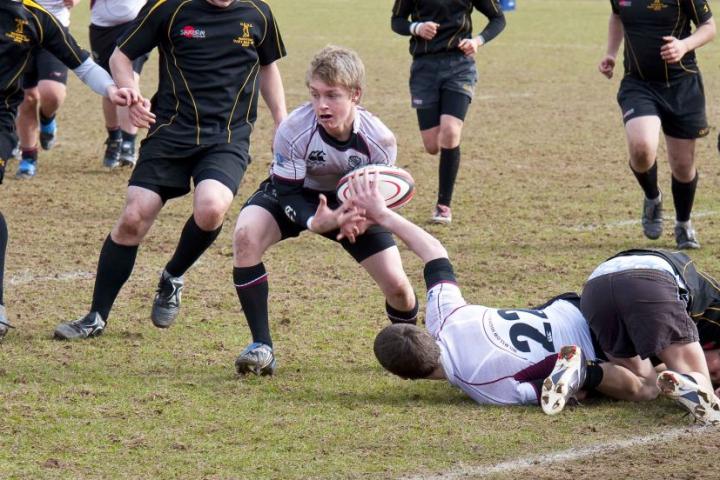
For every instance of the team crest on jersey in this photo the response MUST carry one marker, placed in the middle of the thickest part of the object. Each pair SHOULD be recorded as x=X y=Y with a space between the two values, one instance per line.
x=18 y=35
x=656 y=5
x=245 y=40
x=189 y=31
x=355 y=161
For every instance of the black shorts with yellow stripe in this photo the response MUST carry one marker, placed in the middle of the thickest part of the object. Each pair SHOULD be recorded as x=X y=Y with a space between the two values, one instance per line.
x=680 y=104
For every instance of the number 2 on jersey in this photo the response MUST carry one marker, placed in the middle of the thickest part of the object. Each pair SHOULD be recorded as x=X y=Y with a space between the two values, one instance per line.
x=521 y=329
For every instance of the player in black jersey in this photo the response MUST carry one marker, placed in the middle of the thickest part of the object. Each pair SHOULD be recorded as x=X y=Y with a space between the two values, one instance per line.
x=26 y=27
x=443 y=76
x=662 y=87
x=215 y=56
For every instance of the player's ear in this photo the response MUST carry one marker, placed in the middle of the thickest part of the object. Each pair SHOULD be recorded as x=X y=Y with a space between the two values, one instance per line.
x=356 y=95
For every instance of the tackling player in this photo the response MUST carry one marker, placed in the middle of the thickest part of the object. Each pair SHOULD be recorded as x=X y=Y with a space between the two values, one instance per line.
x=215 y=56
x=318 y=143
x=44 y=83
x=662 y=88
x=443 y=76
x=25 y=27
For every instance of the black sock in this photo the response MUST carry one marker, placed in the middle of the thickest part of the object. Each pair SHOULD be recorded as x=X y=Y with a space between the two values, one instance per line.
x=252 y=289
x=128 y=137
x=593 y=375
x=684 y=196
x=114 y=134
x=193 y=243
x=115 y=265
x=3 y=247
x=648 y=181
x=30 y=153
x=449 y=165
x=398 y=316
x=46 y=120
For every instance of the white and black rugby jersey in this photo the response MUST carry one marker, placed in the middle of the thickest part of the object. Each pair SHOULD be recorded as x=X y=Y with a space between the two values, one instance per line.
x=108 y=13
x=488 y=352
x=57 y=8
x=305 y=153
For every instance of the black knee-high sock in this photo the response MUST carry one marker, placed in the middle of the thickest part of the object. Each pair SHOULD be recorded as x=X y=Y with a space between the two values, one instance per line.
x=448 y=170
x=398 y=316
x=3 y=247
x=648 y=181
x=114 y=268
x=252 y=289
x=684 y=196
x=193 y=243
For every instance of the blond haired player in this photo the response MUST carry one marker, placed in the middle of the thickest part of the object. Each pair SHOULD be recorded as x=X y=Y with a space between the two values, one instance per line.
x=314 y=147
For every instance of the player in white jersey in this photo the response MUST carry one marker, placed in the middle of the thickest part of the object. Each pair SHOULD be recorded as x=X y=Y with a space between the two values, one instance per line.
x=108 y=21
x=43 y=83
x=314 y=147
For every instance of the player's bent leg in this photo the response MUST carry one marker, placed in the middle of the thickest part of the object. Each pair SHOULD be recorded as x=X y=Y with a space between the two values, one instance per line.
x=255 y=231
x=385 y=267
x=27 y=129
x=4 y=325
x=430 y=140
x=211 y=201
x=681 y=154
x=52 y=96
x=113 y=142
x=449 y=140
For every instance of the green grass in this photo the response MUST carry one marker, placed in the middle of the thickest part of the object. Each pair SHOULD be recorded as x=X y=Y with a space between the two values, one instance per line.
x=543 y=159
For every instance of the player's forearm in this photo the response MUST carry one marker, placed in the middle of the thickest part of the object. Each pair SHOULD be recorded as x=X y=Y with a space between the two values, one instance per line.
x=122 y=70
x=273 y=92
x=94 y=76
x=704 y=34
x=496 y=18
x=615 y=35
x=418 y=240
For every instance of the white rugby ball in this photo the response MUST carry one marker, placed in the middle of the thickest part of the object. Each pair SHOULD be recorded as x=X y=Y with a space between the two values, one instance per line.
x=395 y=184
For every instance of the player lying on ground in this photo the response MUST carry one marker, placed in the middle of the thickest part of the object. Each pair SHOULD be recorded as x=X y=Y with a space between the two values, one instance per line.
x=642 y=304
x=496 y=356
x=25 y=27
x=318 y=143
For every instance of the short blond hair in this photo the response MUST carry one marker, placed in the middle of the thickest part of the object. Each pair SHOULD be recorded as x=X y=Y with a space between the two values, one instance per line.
x=336 y=65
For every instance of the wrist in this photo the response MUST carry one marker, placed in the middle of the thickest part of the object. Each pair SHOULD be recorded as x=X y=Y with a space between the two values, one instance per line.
x=480 y=40
x=414 y=28
x=308 y=224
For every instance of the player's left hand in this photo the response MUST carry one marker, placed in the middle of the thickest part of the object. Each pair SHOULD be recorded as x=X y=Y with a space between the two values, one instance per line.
x=673 y=50
x=469 y=46
x=123 y=97
x=327 y=219
x=140 y=114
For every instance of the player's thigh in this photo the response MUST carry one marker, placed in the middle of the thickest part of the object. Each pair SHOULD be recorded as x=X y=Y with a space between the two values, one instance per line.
x=681 y=155
x=142 y=207
x=385 y=267
x=686 y=358
x=211 y=201
x=643 y=136
x=52 y=93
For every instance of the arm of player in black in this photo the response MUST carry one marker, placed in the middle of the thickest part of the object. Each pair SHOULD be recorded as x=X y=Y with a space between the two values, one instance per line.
x=496 y=24
x=399 y=21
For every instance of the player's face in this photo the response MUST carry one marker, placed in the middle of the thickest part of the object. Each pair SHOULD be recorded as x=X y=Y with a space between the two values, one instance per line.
x=713 y=363
x=221 y=3
x=334 y=106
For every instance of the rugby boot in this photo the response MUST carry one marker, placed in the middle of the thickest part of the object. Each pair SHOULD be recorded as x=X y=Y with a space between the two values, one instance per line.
x=48 y=134
x=111 y=159
x=652 y=217
x=685 y=237
x=26 y=169
x=257 y=358
x=441 y=214
x=702 y=404
x=4 y=325
x=166 y=305
x=91 y=325
x=128 y=158
x=564 y=382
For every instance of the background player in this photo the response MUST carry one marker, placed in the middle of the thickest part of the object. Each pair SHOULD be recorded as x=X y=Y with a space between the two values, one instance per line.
x=497 y=356
x=108 y=21
x=44 y=83
x=318 y=143
x=662 y=87
x=205 y=107
x=24 y=27
x=443 y=76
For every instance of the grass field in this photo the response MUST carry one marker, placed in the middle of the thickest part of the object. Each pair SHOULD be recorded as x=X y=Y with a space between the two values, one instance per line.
x=544 y=195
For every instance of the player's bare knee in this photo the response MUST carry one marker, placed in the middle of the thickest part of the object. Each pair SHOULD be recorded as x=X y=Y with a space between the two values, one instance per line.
x=431 y=146
x=31 y=99
x=399 y=293
x=642 y=155
x=245 y=243
x=449 y=137
x=210 y=217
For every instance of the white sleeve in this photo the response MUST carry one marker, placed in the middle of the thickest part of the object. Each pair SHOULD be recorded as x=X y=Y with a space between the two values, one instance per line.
x=287 y=164
x=442 y=300
x=94 y=76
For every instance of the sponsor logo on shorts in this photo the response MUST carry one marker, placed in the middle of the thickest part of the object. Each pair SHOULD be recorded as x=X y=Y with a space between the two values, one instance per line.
x=468 y=88
x=656 y=5
x=56 y=74
x=417 y=101
x=703 y=131
x=189 y=31
x=628 y=113
x=245 y=40
x=625 y=3
x=290 y=212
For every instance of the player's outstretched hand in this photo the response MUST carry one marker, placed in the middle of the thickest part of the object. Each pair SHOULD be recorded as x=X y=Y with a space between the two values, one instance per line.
x=365 y=195
x=327 y=219
x=427 y=30
x=673 y=50
x=469 y=46
x=607 y=65
x=140 y=114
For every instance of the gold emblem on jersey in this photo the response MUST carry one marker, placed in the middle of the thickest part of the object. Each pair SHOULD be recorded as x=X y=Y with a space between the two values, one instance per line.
x=18 y=36
x=245 y=39
x=656 y=5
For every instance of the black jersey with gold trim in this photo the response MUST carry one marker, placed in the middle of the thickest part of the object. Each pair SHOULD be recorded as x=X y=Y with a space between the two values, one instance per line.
x=645 y=23
x=210 y=58
x=454 y=19
x=24 y=27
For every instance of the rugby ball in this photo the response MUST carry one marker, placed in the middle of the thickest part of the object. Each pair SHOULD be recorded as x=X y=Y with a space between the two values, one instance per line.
x=396 y=185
